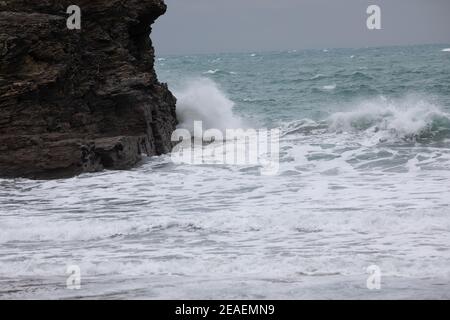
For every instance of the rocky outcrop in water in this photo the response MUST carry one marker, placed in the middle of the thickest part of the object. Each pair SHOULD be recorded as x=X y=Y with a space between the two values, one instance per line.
x=74 y=101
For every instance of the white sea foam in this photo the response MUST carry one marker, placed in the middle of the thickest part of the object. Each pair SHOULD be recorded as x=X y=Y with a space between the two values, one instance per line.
x=212 y=71
x=218 y=71
x=318 y=76
x=330 y=87
x=446 y=50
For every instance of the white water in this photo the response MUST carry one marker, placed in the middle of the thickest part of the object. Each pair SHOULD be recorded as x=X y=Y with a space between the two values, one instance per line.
x=343 y=201
x=329 y=87
x=201 y=99
x=388 y=119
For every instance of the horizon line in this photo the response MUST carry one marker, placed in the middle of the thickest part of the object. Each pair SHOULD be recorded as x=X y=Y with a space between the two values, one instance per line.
x=264 y=51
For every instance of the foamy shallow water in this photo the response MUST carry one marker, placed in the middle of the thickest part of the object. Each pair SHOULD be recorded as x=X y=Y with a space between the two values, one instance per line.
x=360 y=186
x=161 y=230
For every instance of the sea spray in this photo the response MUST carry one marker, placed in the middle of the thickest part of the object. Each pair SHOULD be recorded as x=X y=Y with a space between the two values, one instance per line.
x=409 y=118
x=202 y=100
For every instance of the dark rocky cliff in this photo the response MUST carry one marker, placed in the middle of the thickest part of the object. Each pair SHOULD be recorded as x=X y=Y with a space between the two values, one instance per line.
x=74 y=101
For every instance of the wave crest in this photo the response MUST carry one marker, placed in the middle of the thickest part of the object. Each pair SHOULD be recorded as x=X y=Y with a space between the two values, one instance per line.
x=407 y=119
x=202 y=100
x=384 y=120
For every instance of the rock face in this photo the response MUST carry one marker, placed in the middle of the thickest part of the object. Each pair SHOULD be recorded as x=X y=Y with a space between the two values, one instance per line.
x=74 y=101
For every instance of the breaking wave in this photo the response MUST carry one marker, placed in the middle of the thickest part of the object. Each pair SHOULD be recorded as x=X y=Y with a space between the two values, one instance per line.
x=203 y=100
x=385 y=120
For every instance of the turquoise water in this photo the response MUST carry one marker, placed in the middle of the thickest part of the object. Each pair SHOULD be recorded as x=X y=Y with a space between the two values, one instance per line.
x=364 y=180
x=278 y=87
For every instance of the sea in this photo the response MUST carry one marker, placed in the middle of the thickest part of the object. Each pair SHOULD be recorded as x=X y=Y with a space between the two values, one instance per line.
x=359 y=208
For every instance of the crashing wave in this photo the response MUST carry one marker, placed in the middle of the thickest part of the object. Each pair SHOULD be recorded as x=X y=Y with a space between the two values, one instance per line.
x=202 y=100
x=405 y=120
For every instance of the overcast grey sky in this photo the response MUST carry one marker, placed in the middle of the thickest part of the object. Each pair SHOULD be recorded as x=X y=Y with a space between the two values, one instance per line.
x=204 y=26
